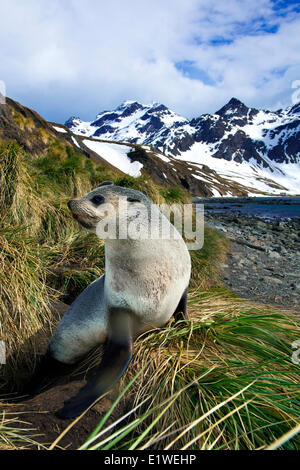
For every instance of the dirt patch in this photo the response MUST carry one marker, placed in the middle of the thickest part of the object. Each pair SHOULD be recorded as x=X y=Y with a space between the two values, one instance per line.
x=39 y=414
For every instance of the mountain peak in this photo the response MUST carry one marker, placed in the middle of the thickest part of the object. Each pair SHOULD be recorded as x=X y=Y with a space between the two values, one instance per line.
x=132 y=103
x=127 y=103
x=233 y=107
x=295 y=109
x=73 y=120
x=235 y=102
x=130 y=106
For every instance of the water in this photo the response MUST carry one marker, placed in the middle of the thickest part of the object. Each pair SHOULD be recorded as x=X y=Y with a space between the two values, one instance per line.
x=266 y=207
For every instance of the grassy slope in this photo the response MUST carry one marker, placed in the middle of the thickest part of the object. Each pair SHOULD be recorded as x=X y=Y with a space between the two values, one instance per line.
x=44 y=253
x=46 y=256
x=230 y=344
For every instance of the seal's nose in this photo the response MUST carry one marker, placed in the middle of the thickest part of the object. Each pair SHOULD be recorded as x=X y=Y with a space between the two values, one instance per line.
x=69 y=204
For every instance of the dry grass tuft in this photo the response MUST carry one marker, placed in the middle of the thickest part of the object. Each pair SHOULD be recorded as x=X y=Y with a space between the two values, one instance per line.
x=229 y=345
x=14 y=432
x=44 y=254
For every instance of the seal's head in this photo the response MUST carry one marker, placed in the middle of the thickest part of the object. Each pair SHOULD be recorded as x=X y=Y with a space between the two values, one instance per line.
x=105 y=202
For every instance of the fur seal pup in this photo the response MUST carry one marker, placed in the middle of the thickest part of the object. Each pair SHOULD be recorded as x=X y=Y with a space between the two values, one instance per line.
x=145 y=283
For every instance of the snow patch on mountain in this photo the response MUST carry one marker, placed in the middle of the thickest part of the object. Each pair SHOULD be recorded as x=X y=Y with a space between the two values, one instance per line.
x=75 y=141
x=116 y=155
x=247 y=173
x=60 y=129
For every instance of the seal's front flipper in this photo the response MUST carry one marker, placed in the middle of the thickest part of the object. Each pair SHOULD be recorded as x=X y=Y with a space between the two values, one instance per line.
x=181 y=312
x=115 y=361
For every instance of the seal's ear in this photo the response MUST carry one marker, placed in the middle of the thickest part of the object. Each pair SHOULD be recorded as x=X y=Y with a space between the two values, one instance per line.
x=105 y=183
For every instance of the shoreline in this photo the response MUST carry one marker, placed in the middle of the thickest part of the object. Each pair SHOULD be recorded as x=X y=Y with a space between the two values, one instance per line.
x=267 y=199
x=264 y=259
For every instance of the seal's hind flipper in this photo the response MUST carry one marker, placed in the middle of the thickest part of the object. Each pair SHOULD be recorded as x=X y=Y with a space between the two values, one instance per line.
x=116 y=358
x=181 y=312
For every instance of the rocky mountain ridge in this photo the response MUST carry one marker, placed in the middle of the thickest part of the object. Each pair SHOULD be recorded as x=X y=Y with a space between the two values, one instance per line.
x=199 y=178
x=236 y=139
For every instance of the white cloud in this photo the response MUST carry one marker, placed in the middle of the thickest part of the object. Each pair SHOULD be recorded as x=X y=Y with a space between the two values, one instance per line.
x=71 y=57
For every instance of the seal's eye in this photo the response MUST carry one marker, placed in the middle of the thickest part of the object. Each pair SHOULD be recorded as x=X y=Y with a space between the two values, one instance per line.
x=97 y=200
x=131 y=199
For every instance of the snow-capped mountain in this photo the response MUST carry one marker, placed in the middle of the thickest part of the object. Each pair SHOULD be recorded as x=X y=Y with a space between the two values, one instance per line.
x=135 y=123
x=246 y=145
x=185 y=162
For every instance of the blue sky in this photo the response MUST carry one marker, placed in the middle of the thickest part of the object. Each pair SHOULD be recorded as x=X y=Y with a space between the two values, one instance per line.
x=69 y=57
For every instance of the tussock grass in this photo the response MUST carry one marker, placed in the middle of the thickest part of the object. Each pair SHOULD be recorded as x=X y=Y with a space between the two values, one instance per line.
x=143 y=184
x=9 y=175
x=77 y=261
x=44 y=254
x=224 y=380
x=22 y=121
x=14 y=432
x=206 y=262
x=24 y=298
x=174 y=194
x=38 y=236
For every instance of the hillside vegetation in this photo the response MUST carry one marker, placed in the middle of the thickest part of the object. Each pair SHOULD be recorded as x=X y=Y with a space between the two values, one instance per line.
x=224 y=379
x=45 y=255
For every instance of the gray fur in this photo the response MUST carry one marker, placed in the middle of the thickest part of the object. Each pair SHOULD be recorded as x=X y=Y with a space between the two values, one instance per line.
x=145 y=277
x=83 y=326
